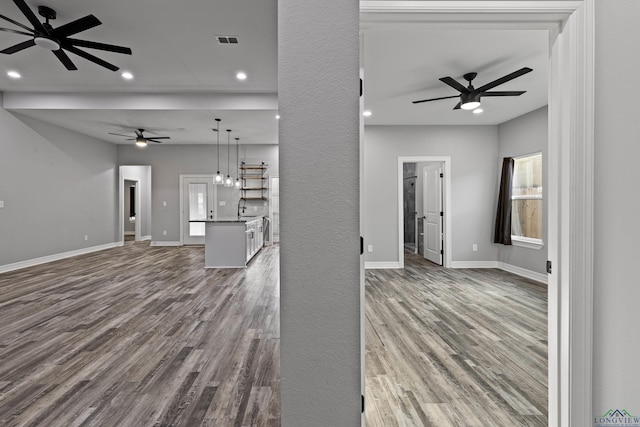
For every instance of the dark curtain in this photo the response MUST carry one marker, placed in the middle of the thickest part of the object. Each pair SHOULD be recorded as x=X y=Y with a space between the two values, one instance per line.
x=503 y=217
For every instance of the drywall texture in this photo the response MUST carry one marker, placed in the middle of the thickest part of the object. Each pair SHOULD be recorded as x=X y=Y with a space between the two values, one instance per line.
x=616 y=377
x=168 y=162
x=473 y=151
x=526 y=134
x=57 y=186
x=319 y=181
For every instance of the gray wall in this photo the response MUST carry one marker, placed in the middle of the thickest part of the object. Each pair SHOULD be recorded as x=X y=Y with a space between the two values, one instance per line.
x=168 y=162
x=473 y=151
x=525 y=135
x=616 y=381
x=57 y=187
x=319 y=240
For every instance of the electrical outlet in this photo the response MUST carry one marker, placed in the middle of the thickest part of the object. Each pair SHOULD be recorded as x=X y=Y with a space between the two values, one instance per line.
x=164 y=232
x=474 y=247
x=255 y=208
x=164 y=203
x=222 y=203
x=1 y=203
x=369 y=248
x=86 y=237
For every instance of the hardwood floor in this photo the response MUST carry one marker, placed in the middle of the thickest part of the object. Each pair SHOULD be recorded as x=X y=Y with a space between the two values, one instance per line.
x=454 y=347
x=141 y=336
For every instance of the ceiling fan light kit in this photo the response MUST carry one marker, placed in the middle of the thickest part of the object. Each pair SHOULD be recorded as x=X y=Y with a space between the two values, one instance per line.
x=140 y=139
x=58 y=40
x=470 y=97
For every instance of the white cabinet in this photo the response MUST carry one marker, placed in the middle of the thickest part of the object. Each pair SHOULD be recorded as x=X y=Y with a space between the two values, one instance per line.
x=232 y=243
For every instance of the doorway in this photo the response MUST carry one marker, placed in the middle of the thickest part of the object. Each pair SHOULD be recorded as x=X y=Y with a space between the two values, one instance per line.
x=129 y=225
x=439 y=232
x=197 y=200
x=571 y=101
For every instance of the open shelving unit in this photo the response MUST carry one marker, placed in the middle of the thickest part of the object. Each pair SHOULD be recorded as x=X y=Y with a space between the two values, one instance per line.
x=254 y=184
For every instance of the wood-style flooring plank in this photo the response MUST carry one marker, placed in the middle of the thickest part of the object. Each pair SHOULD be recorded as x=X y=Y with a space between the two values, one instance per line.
x=459 y=347
x=141 y=336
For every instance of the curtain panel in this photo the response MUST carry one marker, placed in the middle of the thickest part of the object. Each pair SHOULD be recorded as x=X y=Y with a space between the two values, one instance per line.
x=502 y=232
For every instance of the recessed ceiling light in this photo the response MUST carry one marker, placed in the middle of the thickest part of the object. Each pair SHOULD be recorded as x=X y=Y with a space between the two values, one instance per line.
x=127 y=75
x=277 y=116
x=478 y=111
x=241 y=75
x=367 y=113
x=13 y=74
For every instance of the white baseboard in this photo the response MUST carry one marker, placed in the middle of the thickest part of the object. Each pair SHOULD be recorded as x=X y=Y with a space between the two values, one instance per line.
x=164 y=243
x=475 y=264
x=129 y=233
x=145 y=237
x=373 y=265
x=55 y=257
x=518 y=271
x=523 y=272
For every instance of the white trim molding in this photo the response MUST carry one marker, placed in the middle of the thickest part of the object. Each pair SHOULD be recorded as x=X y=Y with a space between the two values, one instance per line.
x=56 y=257
x=164 y=243
x=377 y=265
x=143 y=238
x=523 y=272
x=475 y=264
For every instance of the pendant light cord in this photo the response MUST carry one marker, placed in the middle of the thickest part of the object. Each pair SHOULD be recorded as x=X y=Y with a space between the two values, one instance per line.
x=228 y=149
x=218 y=143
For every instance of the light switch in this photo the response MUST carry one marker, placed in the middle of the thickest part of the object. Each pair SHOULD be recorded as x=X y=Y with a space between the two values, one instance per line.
x=164 y=203
x=369 y=248
x=222 y=203
x=1 y=203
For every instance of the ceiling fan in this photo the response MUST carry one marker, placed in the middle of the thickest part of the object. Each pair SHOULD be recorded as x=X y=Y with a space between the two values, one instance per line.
x=470 y=96
x=58 y=39
x=140 y=139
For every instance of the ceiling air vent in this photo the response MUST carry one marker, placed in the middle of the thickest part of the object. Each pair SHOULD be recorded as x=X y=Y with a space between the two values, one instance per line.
x=227 y=39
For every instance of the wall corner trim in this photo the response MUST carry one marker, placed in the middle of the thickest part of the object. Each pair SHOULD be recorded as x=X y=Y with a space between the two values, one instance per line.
x=55 y=257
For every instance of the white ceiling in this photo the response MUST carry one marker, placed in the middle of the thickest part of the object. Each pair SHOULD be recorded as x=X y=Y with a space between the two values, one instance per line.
x=176 y=54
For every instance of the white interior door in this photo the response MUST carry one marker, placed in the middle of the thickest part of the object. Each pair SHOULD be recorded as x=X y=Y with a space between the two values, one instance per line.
x=433 y=214
x=197 y=205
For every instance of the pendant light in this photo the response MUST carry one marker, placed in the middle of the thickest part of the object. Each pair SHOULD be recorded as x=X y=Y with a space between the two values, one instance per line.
x=227 y=181
x=237 y=184
x=217 y=131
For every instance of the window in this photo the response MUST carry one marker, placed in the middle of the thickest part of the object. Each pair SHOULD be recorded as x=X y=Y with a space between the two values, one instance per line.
x=526 y=200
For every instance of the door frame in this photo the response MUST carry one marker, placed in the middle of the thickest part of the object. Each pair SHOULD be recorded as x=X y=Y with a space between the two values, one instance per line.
x=125 y=193
x=446 y=195
x=181 y=195
x=571 y=146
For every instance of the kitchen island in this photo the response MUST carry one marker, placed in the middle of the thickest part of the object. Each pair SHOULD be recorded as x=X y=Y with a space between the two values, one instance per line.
x=232 y=243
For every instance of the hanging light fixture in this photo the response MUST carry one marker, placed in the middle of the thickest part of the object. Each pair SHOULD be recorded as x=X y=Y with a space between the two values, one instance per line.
x=217 y=131
x=237 y=184
x=227 y=181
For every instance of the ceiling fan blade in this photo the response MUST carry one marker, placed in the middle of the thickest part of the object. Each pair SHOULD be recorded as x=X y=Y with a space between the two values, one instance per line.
x=153 y=140
x=457 y=107
x=454 y=84
x=504 y=79
x=76 y=26
x=90 y=57
x=18 y=47
x=101 y=46
x=64 y=58
x=160 y=137
x=435 y=99
x=8 y=30
x=508 y=93
x=16 y=23
x=28 y=13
